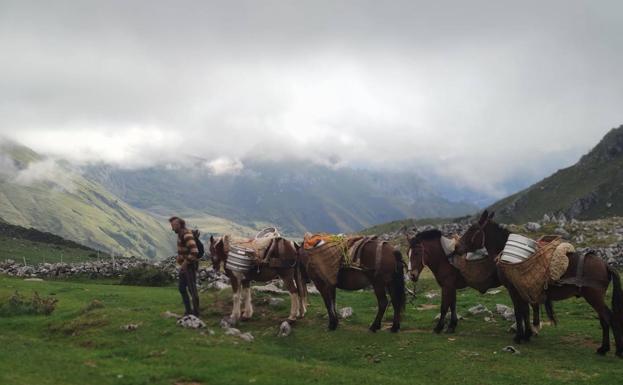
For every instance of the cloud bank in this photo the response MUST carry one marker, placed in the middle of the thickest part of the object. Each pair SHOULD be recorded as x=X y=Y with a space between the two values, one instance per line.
x=485 y=94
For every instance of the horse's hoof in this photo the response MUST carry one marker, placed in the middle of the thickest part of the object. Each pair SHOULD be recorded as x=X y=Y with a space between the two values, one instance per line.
x=450 y=331
x=619 y=353
x=395 y=329
x=332 y=326
x=517 y=340
x=374 y=328
x=437 y=330
x=603 y=350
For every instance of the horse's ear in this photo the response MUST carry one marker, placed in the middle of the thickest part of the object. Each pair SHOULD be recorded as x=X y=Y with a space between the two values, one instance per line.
x=484 y=217
x=491 y=215
x=211 y=239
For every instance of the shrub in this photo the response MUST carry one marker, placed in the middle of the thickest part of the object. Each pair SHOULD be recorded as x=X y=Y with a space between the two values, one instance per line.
x=93 y=305
x=145 y=276
x=20 y=305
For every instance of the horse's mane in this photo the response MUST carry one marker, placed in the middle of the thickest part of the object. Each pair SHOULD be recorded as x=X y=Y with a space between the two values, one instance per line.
x=500 y=228
x=426 y=236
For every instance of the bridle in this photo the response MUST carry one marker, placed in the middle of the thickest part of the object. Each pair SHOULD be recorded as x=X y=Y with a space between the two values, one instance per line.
x=422 y=257
x=481 y=229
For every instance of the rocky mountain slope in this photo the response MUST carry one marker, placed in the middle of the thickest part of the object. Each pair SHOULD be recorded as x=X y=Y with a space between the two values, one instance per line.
x=590 y=189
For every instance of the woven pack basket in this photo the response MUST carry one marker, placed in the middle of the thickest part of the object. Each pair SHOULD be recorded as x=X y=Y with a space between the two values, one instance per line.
x=478 y=274
x=531 y=276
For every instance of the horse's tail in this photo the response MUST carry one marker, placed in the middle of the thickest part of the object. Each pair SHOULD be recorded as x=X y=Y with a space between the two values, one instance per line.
x=398 y=281
x=617 y=294
x=549 y=310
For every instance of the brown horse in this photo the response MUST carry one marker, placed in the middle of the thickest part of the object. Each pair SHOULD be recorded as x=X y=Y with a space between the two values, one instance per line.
x=426 y=249
x=592 y=285
x=241 y=282
x=385 y=274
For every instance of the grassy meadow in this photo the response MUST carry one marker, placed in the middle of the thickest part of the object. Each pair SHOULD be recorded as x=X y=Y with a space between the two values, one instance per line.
x=82 y=344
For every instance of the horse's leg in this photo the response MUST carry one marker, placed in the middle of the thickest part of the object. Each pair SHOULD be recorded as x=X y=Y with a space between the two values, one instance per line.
x=397 y=309
x=381 y=299
x=525 y=315
x=247 y=313
x=595 y=298
x=235 y=287
x=326 y=293
x=301 y=286
x=454 y=319
x=288 y=280
x=445 y=305
x=517 y=306
x=536 y=318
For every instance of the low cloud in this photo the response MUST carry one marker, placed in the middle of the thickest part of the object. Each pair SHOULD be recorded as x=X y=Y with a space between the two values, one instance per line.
x=490 y=96
x=222 y=166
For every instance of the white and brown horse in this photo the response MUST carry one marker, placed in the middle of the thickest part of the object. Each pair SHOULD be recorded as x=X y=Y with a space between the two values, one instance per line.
x=280 y=249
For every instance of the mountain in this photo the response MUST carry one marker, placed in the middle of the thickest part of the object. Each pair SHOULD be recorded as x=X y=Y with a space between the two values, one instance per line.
x=49 y=195
x=590 y=189
x=297 y=196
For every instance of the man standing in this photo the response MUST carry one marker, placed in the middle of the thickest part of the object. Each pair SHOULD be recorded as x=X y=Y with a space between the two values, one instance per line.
x=188 y=259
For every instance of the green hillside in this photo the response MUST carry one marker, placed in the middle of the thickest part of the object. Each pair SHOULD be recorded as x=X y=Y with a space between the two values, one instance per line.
x=33 y=246
x=50 y=196
x=590 y=189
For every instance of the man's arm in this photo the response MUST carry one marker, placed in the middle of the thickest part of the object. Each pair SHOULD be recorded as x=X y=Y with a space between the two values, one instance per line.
x=189 y=241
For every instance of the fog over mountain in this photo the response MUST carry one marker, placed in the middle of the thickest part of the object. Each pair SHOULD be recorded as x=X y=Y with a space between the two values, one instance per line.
x=482 y=98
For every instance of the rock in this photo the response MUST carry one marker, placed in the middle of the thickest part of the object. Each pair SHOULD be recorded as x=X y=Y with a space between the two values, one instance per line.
x=506 y=312
x=284 y=329
x=478 y=309
x=546 y=218
x=33 y=280
x=232 y=332
x=191 y=322
x=270 y=288
x=247 y=337
x=226 y=323
x=217 y=285
x=431 y=295
x=129 y=327
x=312 y=289
x=488 y=319
x=511 y=349
x=275 y=302
x=494 y=291
x=562 y=232
x=168 y=314
x=532 y=226
x=346 y=312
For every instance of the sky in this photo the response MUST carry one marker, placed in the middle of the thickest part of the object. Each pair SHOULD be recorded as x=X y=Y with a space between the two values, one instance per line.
x=486 y=95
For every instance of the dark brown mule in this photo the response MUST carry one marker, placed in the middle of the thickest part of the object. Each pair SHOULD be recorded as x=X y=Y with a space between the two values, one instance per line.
x=241 y=282
x=425 y=249
x=595 y=280
x=385 y=276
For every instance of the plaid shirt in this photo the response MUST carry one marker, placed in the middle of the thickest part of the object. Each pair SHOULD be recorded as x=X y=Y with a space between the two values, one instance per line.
x=186 y=246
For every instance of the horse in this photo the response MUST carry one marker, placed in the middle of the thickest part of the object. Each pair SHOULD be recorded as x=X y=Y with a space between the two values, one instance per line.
x=380 y=266
x=592 y=284
x=426 y=249
x=241 y=282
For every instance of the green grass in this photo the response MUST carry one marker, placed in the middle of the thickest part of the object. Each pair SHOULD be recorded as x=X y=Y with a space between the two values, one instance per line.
x=38 y=252
x=75 y=346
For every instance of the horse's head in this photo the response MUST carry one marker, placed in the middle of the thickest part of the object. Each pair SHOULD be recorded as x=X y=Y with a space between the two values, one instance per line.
x=218 y=251
x=416 y=258
x=474 y=238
